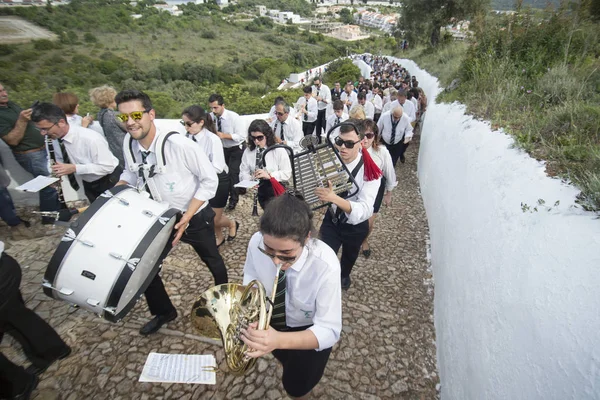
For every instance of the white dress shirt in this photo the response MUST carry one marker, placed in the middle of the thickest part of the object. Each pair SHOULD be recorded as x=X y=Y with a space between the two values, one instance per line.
x=88 y=151
x=77 y=119
x=408 y=107
x=325 y=93
x=331 y=122
x=362 y=202
x=377 y=102
x=369 y=109
x=312 y=109
x=350 y=98
x=212 y=147
x=383 y=159
x=313 y=289
x=189 y=171
x=230 y=122
x=415 y=102
x=277 y=163
x=292 y=131
x=404 y=128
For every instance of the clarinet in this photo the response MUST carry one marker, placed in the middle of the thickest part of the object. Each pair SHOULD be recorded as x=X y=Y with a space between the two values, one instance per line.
x=57 y=185
x=258 y=165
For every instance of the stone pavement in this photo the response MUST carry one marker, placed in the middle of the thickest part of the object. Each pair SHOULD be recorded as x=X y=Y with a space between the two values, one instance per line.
x=386 y=351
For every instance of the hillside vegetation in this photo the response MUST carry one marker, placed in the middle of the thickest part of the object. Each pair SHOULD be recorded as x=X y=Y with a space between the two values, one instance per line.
x=179 y=60
x=539 y=78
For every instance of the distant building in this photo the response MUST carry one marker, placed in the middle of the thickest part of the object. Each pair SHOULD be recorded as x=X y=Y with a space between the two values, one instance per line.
x=262 y=10
x=386 y=23
x=348 y=32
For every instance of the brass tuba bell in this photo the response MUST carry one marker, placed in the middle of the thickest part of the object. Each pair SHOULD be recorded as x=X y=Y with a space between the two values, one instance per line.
x=224 y=310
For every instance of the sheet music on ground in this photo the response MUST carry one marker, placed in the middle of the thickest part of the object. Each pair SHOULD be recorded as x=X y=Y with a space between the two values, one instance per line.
x=180 y=368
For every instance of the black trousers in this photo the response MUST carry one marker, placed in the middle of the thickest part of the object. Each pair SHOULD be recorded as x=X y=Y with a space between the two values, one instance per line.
x=233 y=159
x=99 y=186
x=39 y=340
x=321 y=123
x=200 y=234
x=348 y=237
x=308 y=127
x=376 y=117
x=396 y=150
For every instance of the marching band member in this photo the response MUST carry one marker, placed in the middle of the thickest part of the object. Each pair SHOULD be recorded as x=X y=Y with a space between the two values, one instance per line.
x=277 y=168
x=40 y=342
x=346 y=223
x=307 y=316
x=78 y=151
x=322 y=94
x=201 y=129
x=191 y=181
x=233 y=143
x=308 y=111
x=396 y=132
x=287 y=130
x=337 y=117
x=381 y=157
x=367 y=105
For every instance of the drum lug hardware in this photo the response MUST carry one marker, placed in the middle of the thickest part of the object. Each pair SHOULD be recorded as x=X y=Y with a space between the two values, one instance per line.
x=148 y=213
x=110 y=310
x=132 y=263
x=63 y=291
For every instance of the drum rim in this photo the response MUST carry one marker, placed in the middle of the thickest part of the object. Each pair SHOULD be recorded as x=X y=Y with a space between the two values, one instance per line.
x=121 y=282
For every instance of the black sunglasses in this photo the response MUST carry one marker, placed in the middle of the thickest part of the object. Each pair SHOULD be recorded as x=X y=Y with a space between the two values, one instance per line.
x=369 y=135
x=188 y=123
x=258 y=138
x=348 y=143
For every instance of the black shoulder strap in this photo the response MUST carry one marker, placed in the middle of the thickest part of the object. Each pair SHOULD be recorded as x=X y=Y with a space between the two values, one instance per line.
x=357 y=168
x=163 y=145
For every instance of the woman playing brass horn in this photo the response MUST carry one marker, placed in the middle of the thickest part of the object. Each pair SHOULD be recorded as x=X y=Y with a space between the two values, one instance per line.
x=307 y=315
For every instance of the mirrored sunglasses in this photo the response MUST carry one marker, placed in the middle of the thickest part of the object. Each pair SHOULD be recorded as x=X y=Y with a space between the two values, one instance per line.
x=136 y=116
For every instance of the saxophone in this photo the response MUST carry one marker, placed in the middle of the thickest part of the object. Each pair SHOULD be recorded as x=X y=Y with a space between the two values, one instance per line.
x=259 y=164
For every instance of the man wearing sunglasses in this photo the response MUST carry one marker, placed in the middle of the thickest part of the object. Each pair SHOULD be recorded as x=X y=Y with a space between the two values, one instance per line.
x=346 y=223
x=396 y=132
x=286 y=130
x=78 y=151
x=188 y=184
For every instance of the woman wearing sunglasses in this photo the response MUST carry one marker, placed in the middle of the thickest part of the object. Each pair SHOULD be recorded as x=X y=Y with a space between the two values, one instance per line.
x=277 y=163
x=307 y=314
x=381 y=156
x=201 y=129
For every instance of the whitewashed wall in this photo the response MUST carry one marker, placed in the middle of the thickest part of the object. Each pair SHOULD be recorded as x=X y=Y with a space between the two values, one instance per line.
x=517 y=309
x=19 y=175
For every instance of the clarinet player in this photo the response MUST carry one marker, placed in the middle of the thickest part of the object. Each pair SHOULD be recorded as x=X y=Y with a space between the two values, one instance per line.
x=276 y=168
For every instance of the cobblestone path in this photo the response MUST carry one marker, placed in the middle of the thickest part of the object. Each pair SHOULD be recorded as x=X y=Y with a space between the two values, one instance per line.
x=386 y=351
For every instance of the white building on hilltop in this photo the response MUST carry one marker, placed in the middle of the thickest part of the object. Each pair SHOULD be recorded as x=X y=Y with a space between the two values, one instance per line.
x=386 y=23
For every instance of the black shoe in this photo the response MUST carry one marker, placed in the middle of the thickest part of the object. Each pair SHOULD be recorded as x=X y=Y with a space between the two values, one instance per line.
x=38 y=370
x=156 y=323
x=241 y=191
x=29 y=388
x=237 y=226
x=402 y=159
x=48 y=221
x=232 y=205
x=221 y=244
x=346 y=282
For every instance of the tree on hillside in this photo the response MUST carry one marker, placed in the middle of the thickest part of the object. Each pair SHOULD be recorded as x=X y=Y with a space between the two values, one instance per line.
x=341 y=71
x=346 y=16
x=421 y=17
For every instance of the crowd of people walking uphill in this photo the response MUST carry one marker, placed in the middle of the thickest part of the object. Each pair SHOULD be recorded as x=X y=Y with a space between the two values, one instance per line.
x=369 y=123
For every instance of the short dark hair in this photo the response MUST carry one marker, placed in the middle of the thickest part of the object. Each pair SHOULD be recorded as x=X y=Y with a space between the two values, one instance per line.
x=402 y=93
x=361 y=96
x=260 y=125
x=278 y=99
x=287 y=217
x=216 y=97
x=127 y=95
x=338 y=105
x=47 y=111
x=353 y=125
x=307 y=89
x=197 y=114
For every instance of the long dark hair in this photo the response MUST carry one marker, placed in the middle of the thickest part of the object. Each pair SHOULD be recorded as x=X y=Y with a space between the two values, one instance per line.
x=287 y=217
x=197 y=114
x=369 y=124
x=260 y=125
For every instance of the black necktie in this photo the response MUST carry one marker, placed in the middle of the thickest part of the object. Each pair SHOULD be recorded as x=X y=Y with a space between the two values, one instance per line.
x=145 y=155
x=306 y=108
x=194 y=138
x=281 y=131
x=72 y=179
x=338 y=121
x=219 y=124
x=278 y=317
x=394 y=126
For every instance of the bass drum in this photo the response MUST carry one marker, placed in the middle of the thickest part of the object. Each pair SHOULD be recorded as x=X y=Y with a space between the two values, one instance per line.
x=111 y=253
